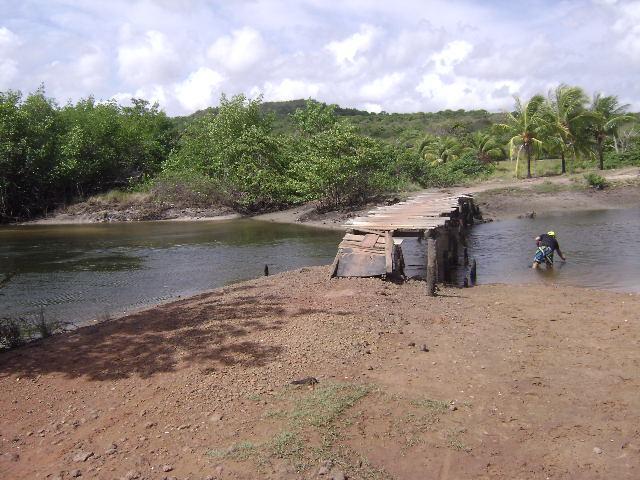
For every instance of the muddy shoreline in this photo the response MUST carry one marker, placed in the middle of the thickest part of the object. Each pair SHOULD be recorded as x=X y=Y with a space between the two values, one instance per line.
x=486 y=382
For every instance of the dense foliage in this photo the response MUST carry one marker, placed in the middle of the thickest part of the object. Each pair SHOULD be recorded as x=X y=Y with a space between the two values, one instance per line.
x=255 y=156
x=50 y=154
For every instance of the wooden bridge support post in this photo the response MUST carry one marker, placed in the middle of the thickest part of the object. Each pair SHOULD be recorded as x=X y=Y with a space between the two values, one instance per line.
x=432 y=267
x=474 y=271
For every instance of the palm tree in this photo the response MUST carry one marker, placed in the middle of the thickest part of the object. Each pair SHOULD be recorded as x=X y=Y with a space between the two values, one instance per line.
x=440 y=149
x=606 y=116
x=484 y=146
x=567 y=118
x=526 y=126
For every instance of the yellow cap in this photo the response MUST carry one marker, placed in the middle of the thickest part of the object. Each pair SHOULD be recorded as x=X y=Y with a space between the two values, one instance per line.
x=551 y=234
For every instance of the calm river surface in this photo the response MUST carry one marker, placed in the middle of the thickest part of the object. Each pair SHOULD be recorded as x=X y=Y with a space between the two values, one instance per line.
x=80 y=272
x=77 y=273
x=602 y=249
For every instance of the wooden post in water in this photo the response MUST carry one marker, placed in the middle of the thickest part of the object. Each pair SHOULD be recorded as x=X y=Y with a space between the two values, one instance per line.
x=446 y=261
x=473 y=271
x=466 y=257
x=432 y=268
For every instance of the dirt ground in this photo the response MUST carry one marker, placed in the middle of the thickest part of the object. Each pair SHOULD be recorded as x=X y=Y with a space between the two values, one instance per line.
x=486 y=382
x=510 y=203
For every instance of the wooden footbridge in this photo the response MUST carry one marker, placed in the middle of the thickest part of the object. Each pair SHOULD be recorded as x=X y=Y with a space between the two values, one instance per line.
x=417 y=238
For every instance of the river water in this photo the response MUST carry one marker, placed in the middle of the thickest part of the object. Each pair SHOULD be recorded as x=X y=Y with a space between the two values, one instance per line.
x=602 y=249
x=75 y=273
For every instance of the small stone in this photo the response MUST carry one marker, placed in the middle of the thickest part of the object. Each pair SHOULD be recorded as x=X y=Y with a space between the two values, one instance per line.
x=323 y=470
x=185 y=426
x=167 y=468
x=452 y=407
x=219 y=470
x=424 y=348
x=369 y=367
x=209 y=477
x=131 y=475
x=412 y=344
x=75 y=473
x=216 y=417
x=150 y=424
x=82 y=456
x=338 y=476
x=597 y=450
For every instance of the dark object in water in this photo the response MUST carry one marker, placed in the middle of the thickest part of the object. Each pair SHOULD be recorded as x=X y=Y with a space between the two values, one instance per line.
x=266 y=270
x=305 y=381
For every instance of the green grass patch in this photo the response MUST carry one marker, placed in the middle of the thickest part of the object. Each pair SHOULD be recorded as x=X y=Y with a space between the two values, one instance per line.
x=326 y=404
x=286 y=444
x=239 y=451
x=311 y=428
x=436 y=406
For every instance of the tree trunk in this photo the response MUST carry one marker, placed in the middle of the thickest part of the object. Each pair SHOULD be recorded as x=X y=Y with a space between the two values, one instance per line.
x=528 y=148
x=564 y=164
x=600 y=155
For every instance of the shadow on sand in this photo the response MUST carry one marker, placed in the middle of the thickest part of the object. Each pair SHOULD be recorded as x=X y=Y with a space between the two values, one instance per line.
x=206 y=330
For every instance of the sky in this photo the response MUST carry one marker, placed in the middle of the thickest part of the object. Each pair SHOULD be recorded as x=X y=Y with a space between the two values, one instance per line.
x=394 y=56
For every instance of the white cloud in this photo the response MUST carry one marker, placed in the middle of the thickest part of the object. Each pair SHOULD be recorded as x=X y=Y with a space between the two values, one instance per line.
x=345 y=51
x=239 y=51
x=452 y=54
x=409 y=55
x=152 y=59
x=628 y=28
x=372 y=107
x=289 y=89
x=382 y=87
x=9 y=43
x=199 y=90
x=451 y=92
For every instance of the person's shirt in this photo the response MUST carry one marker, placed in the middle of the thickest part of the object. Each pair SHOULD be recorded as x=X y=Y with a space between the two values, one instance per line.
x=549 y=241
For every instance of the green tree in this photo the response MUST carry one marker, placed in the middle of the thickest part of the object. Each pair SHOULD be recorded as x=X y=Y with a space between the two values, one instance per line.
x=440 y=149
x=484 y=146
x=606 y=115
x=338 y=167
x=526 y=128
x=567 y=121
x=315 y=117
x=236 y=149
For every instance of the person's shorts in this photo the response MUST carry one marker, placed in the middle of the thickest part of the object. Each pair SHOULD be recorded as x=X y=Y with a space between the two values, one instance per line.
x=543 y=254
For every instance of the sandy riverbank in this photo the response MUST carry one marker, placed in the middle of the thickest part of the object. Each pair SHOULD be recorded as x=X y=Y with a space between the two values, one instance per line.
x=508 y=387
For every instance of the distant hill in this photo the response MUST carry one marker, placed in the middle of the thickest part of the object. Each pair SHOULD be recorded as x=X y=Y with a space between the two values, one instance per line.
x=400 y=128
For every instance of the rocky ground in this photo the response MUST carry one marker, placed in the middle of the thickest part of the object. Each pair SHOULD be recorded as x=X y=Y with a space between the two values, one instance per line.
x=487 y=382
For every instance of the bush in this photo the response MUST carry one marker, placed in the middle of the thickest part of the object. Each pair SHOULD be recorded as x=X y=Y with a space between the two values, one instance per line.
x=629 y=158
x=596 y=181
x=454 y=172
x=42 y=327
x=11 y=333
x=187 y=189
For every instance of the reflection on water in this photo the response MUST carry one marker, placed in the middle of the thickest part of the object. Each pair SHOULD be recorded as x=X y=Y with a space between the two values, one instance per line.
x=602 y=249
x=79 y=272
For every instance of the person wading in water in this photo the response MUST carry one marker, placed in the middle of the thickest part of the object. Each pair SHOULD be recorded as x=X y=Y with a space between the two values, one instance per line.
x=547 y=244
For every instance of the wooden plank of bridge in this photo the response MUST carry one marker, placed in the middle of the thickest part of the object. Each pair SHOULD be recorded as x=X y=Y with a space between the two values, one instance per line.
x=369 y=246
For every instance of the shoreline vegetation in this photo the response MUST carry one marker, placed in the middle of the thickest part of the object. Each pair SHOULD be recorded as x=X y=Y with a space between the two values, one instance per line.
x=109 y=162
x=499 y=198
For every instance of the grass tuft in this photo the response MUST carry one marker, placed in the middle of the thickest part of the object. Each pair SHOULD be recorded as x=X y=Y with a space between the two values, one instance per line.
x=326 y=403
